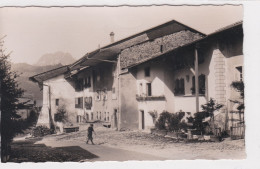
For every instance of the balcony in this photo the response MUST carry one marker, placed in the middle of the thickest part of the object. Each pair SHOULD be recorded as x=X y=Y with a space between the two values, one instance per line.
x=150 y=98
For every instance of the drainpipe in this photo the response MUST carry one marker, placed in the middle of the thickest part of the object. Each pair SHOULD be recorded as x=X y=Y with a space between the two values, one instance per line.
x=196 y=63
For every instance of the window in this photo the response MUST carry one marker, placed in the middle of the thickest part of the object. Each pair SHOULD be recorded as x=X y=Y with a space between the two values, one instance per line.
x=202 y=88
x=179 y=87
x=161 y=48
x=240 y=73
x=92 y=116
x=147 y=72
x=79 y=119
x=98 y=95
x=57 y=102
x=87 y=117
x=140 y=89
x=107 y=116
x=88 y=82
x=88 y=103
x=79 y=84
x=79 y=102
x=149 y=89
x=99 y=115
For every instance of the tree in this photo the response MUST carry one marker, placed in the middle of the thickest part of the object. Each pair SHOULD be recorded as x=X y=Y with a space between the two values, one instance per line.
x=10 y=92
x=210 y=108
x=239 y=86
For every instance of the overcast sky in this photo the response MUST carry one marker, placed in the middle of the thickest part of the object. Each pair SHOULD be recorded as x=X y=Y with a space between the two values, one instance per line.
x=33 y=31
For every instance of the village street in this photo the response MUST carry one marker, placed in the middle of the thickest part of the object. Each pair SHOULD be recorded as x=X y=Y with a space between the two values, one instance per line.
x=111 y=145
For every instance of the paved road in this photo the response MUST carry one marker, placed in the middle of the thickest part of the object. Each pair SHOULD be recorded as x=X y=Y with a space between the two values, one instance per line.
x=105 y=153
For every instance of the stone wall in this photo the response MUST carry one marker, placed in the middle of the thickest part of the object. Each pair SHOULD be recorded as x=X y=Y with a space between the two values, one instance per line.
x=144 y=51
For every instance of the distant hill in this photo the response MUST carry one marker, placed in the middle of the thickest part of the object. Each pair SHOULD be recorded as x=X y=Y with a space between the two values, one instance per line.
x=55 y=58
x=46 y=62
x=25 y=70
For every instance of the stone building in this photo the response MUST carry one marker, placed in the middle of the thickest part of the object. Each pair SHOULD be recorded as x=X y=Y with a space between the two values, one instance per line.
x=151 y=71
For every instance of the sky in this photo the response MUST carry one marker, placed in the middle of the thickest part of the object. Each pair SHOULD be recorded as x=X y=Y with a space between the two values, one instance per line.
x=34 y=31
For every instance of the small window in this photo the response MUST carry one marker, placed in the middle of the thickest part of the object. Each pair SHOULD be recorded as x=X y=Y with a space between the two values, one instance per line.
x=88 y=82
x=240 y=73
x=79 y=119
x=149 y=89
x=57 y=102
x=161 y=48
x=92 y=116
x=202 y=84
x=87 y=117
x=99 y=115
x=107 y=116
x=79 y=102
x=147 y=72
x=179 y=88
x=98 y=95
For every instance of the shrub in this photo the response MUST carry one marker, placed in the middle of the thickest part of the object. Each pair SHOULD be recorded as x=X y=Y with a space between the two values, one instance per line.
x=41 y=131
x=163 y=118
x=171 y=121
x=60 y=115
x=198 y=121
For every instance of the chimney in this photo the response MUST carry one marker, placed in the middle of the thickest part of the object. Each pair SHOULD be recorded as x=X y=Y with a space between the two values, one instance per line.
x=112 y=37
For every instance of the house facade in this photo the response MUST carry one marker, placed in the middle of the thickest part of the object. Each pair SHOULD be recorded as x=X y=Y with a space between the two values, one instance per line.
x=166 y=82
x=171 y=67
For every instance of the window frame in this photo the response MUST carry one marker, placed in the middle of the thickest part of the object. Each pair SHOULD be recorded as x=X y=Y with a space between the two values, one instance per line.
x=57 y=102
x=149 y=89
x=147 y=72
x=179 y=86
x=79 y=102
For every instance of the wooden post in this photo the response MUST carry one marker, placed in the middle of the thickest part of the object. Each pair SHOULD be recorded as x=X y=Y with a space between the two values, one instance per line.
x=196 y=63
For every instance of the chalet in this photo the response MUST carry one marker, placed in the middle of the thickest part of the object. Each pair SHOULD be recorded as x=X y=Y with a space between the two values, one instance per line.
x=154 y=70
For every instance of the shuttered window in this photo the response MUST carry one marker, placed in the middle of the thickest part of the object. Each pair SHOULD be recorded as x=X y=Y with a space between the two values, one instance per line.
x=79 y=102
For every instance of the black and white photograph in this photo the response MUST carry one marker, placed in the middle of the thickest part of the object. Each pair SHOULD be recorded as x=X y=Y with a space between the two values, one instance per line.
x=121 y=83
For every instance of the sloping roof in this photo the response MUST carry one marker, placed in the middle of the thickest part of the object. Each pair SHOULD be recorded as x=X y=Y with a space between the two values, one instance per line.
x=226 y=28
x=239 y=23
x=49 y=74
x=110 y=51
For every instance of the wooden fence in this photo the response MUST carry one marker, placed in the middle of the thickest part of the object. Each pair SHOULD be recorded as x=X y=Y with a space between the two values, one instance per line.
x=237 y=131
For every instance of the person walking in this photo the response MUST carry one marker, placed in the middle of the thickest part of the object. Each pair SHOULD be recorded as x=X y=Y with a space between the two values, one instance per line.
x=90 y=131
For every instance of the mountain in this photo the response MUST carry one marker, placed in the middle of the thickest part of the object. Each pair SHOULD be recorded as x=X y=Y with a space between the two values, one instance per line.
x=55 y=58
x=25 y=71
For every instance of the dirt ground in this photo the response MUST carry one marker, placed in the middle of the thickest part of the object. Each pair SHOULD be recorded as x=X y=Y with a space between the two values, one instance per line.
x=161 y=146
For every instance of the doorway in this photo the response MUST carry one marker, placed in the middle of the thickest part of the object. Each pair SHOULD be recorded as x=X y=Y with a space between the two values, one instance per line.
x=115 y=118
